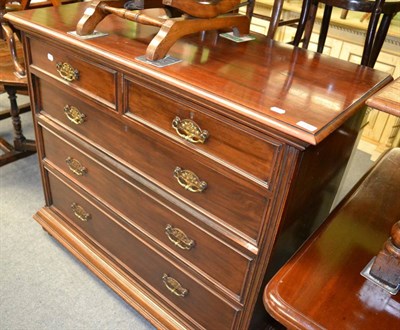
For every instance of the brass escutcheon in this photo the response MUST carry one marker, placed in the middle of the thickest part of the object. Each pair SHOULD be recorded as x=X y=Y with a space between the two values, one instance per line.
x=188 y=180
x=189 y=130
x=74 y=115
x=179 y=238
x=67 y=71
x=174 y=286
x=80 y=212
x=75 y=166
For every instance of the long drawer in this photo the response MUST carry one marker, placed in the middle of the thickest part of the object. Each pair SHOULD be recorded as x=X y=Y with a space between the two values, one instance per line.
x=237 y=203
x=243 y=148
x=90 y=78
x=163 y=224
x=169 y=281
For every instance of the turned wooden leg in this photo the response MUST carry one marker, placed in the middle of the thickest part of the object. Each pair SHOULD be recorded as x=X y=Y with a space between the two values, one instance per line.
x=19 y=138
x=22 y=147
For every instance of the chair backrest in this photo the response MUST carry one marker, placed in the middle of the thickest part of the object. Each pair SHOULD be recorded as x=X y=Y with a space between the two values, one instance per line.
x=374 y=36
x=274 y=17
x=9 y=35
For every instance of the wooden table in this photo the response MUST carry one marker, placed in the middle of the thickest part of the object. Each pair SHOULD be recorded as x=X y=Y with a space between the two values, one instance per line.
x=321 y=286
x=387 y=99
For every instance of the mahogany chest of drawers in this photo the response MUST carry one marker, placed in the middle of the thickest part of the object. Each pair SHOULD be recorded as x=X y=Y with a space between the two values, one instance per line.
x=185 y=187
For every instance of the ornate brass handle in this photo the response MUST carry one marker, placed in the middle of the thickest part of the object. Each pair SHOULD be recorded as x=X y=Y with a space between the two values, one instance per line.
x=80 y=212
x=174 y=286
x=75 y=166
x=188 y=180
x=179 y=238
x=67 y=71
x=189 y=130
x=74 y=115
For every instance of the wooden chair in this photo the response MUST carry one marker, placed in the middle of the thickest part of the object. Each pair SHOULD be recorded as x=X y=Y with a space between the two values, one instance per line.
x=10 y=35
x=12 y=84
x=13 y=78
x=274 y=19
x=374 y=38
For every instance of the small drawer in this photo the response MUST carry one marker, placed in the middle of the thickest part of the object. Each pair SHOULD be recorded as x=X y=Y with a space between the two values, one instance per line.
x=223 y=195
x=175 y=286
x=239 y=146
x=92 y=79
x=163 y=224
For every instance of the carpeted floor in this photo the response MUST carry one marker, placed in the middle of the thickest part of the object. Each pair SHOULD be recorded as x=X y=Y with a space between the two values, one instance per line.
x=41 y=285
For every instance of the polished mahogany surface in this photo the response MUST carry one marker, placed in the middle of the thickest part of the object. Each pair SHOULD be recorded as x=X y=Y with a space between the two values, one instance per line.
x=387 y=99
x=321 y=286
x=316 y=93
x=126 y=185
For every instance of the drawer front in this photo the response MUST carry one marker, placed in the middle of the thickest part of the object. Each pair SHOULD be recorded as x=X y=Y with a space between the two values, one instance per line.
x=169 y=282
x=237 y=202
x=90 y=78
x=165 y=225
x=241 y=148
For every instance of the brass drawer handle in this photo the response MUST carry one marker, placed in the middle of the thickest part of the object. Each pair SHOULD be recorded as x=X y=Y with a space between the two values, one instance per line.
x=188 y=180
x=189 y=130
x=75 y=166
x=67 y=71
x=80 y=212
x=174 y=286
x=179 y=238
x=74 y=115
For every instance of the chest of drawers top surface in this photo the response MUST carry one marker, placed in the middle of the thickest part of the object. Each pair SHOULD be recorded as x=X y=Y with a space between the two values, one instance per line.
x=267 y=84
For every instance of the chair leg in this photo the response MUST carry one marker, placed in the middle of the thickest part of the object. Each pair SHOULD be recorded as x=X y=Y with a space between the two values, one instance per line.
x=371 y=32
x=250 y=8
x=343 y=14
x=22 y=147
x=20 y=142
x=310 y=24
x=379 y=39
x=302 y=22
x=275 y=16
x=324 y=28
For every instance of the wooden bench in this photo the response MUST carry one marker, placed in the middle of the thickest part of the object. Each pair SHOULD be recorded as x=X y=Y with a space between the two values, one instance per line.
x=321 y=286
